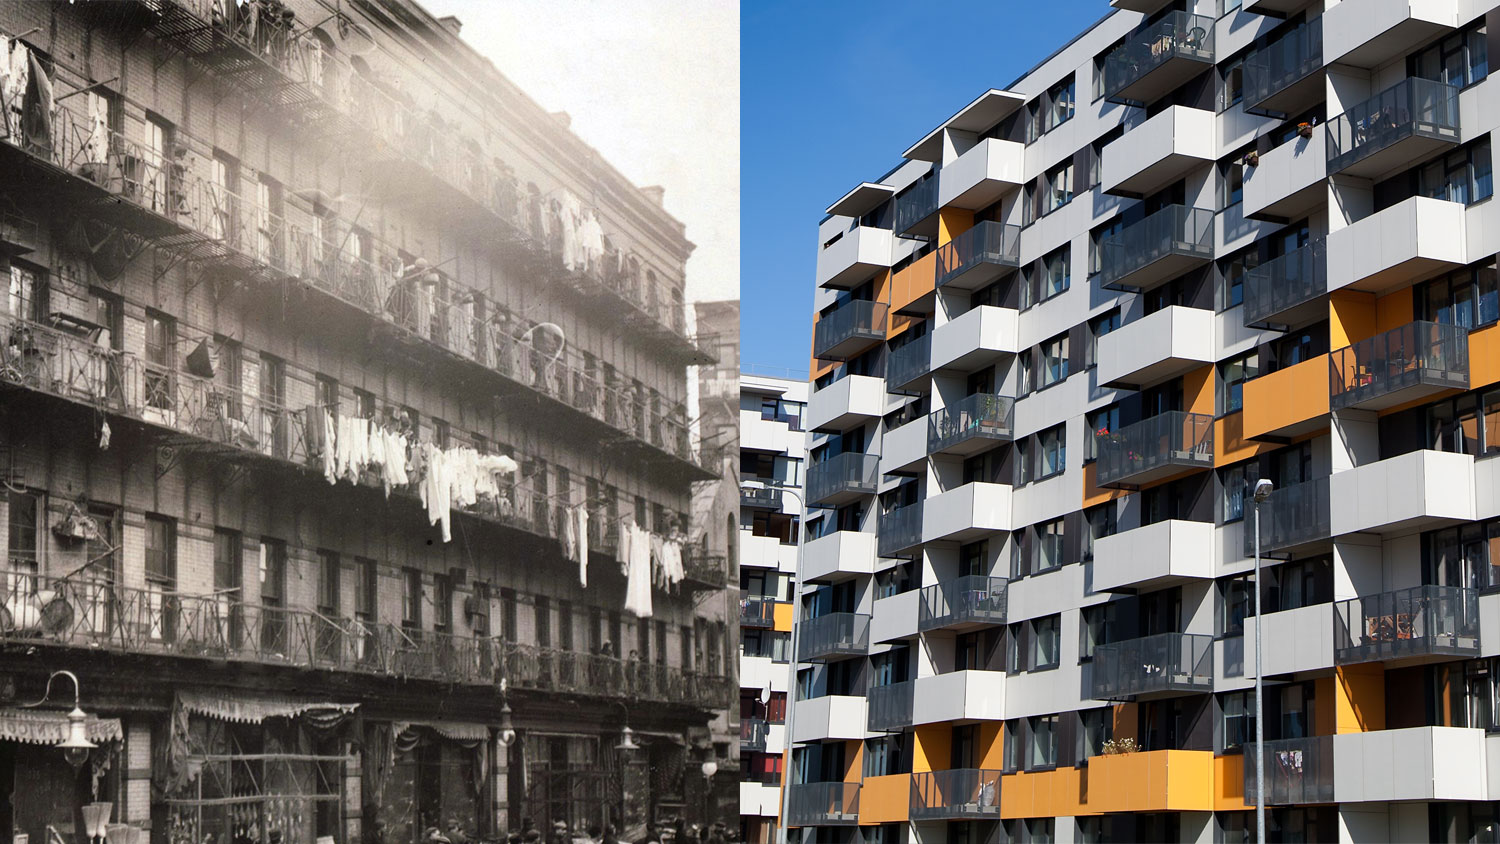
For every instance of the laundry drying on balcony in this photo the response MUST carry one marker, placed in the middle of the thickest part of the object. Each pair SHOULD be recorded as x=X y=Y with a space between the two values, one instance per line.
x=575 y=540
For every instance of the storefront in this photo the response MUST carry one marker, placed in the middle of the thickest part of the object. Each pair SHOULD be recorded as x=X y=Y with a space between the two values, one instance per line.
x=424 y=774
x=46 y=792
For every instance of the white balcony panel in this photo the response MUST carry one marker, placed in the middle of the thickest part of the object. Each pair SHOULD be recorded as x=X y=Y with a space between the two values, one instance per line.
x=1388 y=249
x=854 y=256
x=1289 y=180
x=1278 y=8
x=846 y=402
x=838 y=556
x=838 y=717
x=776 y=739
x=1417 y=763
x=895 y=617
x=1404 y=494
x=967 y=513
x=983 y=174
x=1154 y=556
x=1157 y=347
x=1368 y=33
x=1296 y=640
x=757 y=434
x=976 y=339
x=959 y=696
x=764 y=552
x=756 y=672
x=904 y=449
x=759 y=800
x=1159 y=151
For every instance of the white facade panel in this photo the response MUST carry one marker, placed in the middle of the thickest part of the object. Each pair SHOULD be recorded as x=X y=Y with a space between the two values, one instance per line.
x=1402 y=494
x=846 y=401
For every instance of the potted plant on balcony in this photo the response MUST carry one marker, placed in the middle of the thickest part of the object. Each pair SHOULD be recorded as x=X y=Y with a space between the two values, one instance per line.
x=1305 y=128
x=1251 y=159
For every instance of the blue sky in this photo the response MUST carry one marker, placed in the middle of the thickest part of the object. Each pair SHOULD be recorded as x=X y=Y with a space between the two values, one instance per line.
x=830 y=94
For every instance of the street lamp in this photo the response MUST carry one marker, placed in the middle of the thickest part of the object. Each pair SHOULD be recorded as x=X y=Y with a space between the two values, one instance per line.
x=1263 y=489
x=76 y=746
x=507 y=734
x=791 y=709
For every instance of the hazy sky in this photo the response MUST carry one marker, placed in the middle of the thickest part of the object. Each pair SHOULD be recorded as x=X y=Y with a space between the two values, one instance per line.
x=652 y=84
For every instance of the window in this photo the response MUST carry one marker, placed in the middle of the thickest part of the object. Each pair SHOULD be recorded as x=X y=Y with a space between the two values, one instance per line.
x=1097 y=239
x=161 y=342
x=1101 y=523
x=1466 y=424
x=1054 y=354
x=1057 y=187
x=365 y=589
x=1045 y=641
x=1098 y=327
x=1231 y=277
x=1049 y=277
x=1043 y=748
x=1232 y=178
x=228 y=565
x=1097 y=726
x=1236 y=602
x=27 y=297
x=328 y=583
x=508 y=619
x=1023 y=365
x=25 y=517
x=1101 y=422
x=1463 y=176
x=442 y=588
x=1052 y=109
x=161 y=551
x=1023 y=462
x=1233 y=374
x=1467 y=297
x=1461 y=59
x=272 y=573
x=273 y=421
x=1011 y=745
x=1232 y=83
x=1237 y=719
x=1235 y=481
x=411 y=599
x=1051 y=452
x=1466 y=556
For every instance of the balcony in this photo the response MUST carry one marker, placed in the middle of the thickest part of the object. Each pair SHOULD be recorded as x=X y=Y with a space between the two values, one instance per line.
x=1445 y=764
x=1390 y=249
x=982 y=175
x=1153 y=781
x=971 y=425
x=980 y=255
x=1156 y=448
x=900 y=529
x=767 y=498
x=830 y=717
x=895 y=617
x=753 y=735
x=842 y=479
x=1416 y=491
x=1157 y=347
x=1296 y=640
x=903 y=450
x=1164 y=664
x=976 y=339
x=1157 y=249
x=1294 y=516
x=890 y=706
x=847 y=402
x=1157 y=59
x=823 y=804
x=907 y=366
x=1284 y=76
x=1154 y=556
x=1408 y=122
x=963 y=603
x=833 y=636
x=1159 y=151
x=757 y=611
x=838 y=556
x=1299 y=771
x=1398 y=366
x=1145 y=7
x=853 y=256
x=849 y=329
x=703 y=570
x=958 y=794
x=1417 y=624
x=1288 y=402
x=1288 y=290
x=969 y=512
x=1370 y=33
x=916 y=209
x=1273 y=8
x=970 y=695
x=1290 y=180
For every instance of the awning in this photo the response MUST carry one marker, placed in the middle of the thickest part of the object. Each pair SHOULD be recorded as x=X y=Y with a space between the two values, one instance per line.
x=455 y=730
x=30 y=726
x=253 y=709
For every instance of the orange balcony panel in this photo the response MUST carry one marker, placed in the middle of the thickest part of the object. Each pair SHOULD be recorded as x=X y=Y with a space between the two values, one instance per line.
x=1154 y=781
x=1044 y=794
x=1288 y=402
x=1092 y=492
x=885 y=799
x=913 y=290
x=1230 y=444
x=1229 y=784
x=1484 y=356
x=781 y=618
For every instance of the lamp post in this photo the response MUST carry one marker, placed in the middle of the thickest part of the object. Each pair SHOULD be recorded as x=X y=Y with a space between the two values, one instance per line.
x=624 y=750
x=76 y=745
x=1263 y=489
x=791 y=708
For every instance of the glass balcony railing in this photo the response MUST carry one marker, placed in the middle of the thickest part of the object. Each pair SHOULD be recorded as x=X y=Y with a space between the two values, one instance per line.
x=849 y=473
x=1410 y=108
x=1284 y=62
x=823 y=804
x=1177 y=39
x=753 y=734
x=761 y=499
x=1284 y=283
x=1416 y=622
x=1166 y=662
x=1298 y=771
x=908 y=363
x=835 y=634
x=979 y=255
x=890 y=706
x=899 y=529
x=918 y=204
x=956 y=794
x=1294 y=515
x=1403 y=363
x=757 y=611
x=981 y=417
x=1174 y=231
x=1156 y=447
x=973 y=599
x=854 y=325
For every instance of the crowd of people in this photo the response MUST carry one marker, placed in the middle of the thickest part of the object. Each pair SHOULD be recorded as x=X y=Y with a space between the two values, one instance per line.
x=677 y=832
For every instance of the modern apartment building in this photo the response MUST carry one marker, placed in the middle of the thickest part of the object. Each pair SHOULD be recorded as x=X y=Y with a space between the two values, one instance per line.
x=344 y=438
x=1200 y=245
x=772 y=453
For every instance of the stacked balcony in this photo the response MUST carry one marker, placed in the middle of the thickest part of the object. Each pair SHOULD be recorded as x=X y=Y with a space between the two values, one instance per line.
x=757 y=611
x=982 y=175
x=1399 y=245
x=765 y=498
x=1408 y=122
x=971 y=425
x=979 y=256
x=837 y=556
x=1153 y=666
x=1156 y=448
x=963 y=603
x=1288 y=290
x=852 y=256
x=849 y=329
x=908 y=365
x=1163 y=149
x=890 y=707
x=1410 y=492
x=1157 y=347
x=1157 y=249
x=846 y=403
x=1158 y=58
x=1154 y=556
x=1370 y=33
x=1418 y=624
x=754 y=733
x=977 y=338
x=1283 y=77
x=823 y=804
x=900 y=530
x=1294 y=516
x=1398 y=366
x=1299 y=771
x=840 y=479
x=1289 y=180
x=957 y=794
x=916 y=209
x=834 y=636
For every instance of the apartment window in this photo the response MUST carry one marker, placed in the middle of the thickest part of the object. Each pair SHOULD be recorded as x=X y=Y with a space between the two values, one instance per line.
x=508 y=619
x=1237 y=718
x=442 y=589
x=1023 y=462
x=974 y=559
x=273 y=401
x=480 y=619
x=1049 y=546
x=161 y=551
x=1465 y=424
x=1235 y=481
x=1231 y=277
x=328 y=583
x=1464 y=175
x=542 y=608
x=1467 y=297
x=1054 y=354
x=1466 y=556
x=1101 y=422
x=268 y=216
x=1097 y=726
x=1101 y=523
x=1232 y=84
x=1461 y=59
x=1236 y=597
x=1011 y=745
x=228 y=563
x=27 y=297
x=1053 y=108
x=25 y=515
x=1051 y=452
x=1233 y=374
x=1097 y=238
x=364 y=404
x=1090 y=178
x=365 y=589
x=1043 y=746
x=411 y=599
x=1098 y=327
x=1057 y=187
x=161 y=341
x=272 y=573
x=1055 y=275
x=1045 y=640
x=1024 y=374
x=1232 y=180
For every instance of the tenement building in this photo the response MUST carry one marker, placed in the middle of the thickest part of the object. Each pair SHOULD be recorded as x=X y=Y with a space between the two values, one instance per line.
x=772 y=454
x=1199 y=246
x=344 y=440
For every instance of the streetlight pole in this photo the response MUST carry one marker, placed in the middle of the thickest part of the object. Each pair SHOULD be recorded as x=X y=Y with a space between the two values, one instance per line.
x=1263 y=489
x=791 y=695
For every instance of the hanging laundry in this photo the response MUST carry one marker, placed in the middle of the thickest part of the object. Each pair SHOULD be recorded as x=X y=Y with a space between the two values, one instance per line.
x=330 y=445
x=36 y=108
x=637 y=544
x=581 y=516
x=591 y=240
